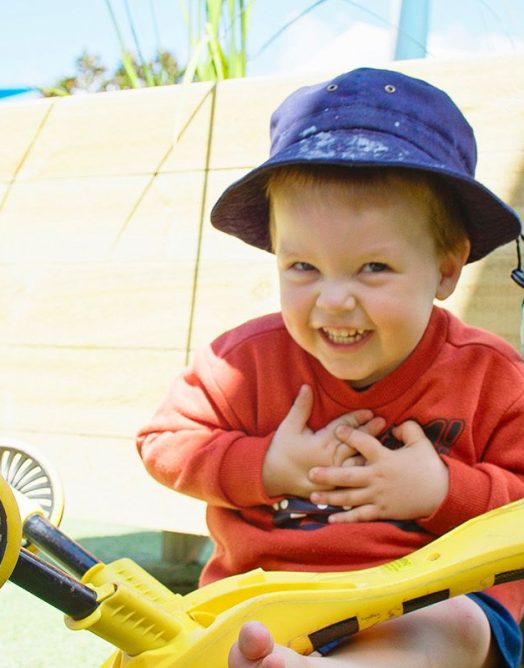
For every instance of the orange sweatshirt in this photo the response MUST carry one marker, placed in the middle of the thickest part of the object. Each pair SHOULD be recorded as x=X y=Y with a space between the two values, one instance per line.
x=208 y=439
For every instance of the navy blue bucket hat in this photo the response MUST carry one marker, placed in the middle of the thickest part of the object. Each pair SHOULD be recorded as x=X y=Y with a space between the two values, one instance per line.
x=371 y=118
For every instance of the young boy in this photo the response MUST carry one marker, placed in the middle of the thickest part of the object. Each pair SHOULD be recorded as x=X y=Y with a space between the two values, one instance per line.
x=362 y=421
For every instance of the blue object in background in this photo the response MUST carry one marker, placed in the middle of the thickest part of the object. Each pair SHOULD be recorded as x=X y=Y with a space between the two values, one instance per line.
x=9 y=92
x=412 y=32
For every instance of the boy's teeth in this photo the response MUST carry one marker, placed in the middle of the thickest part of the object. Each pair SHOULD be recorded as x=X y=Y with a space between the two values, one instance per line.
x=344 y=335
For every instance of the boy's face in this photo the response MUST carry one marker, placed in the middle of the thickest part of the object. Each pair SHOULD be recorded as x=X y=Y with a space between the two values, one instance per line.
x=358 y=275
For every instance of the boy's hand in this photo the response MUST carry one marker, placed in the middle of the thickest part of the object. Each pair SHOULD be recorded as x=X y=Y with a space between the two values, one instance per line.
x=404 y=484
x=295 y=448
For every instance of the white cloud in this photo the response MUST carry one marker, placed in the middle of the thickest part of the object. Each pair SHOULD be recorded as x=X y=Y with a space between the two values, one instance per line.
x=457 y=40
x=313 y=44
x=362 y=44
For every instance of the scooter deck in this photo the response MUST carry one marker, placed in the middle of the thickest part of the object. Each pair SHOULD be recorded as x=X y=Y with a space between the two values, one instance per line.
x=306 y=610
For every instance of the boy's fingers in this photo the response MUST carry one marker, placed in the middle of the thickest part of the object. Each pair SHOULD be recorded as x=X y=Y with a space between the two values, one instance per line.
x=344 y=499
x=366 y=444
x=355 y=418
x=342 y=453
x=340 y=476
x=354 y=460
x=409 y=432
x=374 y=426
x=367 y=513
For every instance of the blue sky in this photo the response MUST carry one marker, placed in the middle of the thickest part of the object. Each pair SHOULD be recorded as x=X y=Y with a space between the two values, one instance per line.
x=40 y=39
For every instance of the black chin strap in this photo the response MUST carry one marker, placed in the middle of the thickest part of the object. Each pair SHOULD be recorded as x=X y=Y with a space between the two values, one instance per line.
x=518 y=273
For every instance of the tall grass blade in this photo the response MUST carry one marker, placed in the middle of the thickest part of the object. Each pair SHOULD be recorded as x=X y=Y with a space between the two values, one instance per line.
x=216 y=54
x=220 y=50
x=213 y=14
x=192 y=66
x=148 y=75
x=127 y=62
x=245 y=17
x=129 y=69
x=233 y=54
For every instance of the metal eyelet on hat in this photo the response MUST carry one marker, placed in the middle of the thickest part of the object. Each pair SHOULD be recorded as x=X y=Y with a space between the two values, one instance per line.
x=390 y=88
x=332 y=87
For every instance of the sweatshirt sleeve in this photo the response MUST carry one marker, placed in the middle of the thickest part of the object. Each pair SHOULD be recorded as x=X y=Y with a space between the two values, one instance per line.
x=200 y=445
x=495 y=479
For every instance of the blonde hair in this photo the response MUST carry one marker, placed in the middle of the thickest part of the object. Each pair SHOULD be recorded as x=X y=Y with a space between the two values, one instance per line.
x=445 y=217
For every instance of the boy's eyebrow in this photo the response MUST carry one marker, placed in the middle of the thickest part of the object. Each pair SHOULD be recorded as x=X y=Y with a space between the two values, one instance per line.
x=295 y=251
x=282 y=249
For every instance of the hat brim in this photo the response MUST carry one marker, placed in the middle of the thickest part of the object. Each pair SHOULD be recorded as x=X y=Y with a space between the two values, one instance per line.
x=243 y=210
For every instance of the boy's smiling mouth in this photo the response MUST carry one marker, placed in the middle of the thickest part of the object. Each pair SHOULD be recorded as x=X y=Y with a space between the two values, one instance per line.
x=343 y=334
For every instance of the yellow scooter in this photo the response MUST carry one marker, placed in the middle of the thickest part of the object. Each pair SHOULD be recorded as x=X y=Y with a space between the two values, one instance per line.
x=152 y=627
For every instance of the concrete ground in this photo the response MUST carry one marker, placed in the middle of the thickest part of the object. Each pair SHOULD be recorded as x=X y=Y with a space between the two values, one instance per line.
x=33 y=634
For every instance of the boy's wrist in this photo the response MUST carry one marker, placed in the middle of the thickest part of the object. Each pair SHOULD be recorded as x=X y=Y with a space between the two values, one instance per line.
x=272 y=475
x=241 y=471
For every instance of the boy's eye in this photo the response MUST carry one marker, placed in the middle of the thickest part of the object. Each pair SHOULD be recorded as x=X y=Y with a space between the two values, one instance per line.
x=302 y=266
x=374 y=267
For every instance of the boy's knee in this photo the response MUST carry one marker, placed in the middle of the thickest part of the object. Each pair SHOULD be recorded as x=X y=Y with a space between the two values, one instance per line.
x=462 y=623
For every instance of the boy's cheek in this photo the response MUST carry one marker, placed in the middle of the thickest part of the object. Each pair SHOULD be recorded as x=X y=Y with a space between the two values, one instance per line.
x=293 y=308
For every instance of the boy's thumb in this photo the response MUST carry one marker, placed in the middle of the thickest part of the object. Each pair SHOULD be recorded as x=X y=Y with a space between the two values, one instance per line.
x=300 y=410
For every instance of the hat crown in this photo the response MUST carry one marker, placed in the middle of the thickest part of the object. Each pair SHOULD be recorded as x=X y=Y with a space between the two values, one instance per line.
x=384 y=103
x=371 y=118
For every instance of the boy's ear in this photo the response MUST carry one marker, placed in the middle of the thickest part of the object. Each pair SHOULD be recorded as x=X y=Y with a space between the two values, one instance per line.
x=450 y=269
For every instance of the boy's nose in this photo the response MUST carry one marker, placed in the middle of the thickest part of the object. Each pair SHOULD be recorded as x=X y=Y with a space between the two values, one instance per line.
x=336 y=296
